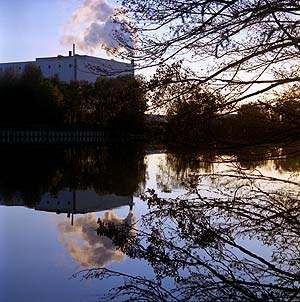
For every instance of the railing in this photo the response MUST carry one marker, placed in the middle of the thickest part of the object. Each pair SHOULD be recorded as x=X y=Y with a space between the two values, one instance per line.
x=51 y=136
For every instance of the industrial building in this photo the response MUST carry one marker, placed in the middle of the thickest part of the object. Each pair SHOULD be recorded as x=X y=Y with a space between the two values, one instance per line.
x=74 y=67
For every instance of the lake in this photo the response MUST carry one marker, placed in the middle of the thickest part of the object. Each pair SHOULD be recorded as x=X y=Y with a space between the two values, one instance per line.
x=151 y=223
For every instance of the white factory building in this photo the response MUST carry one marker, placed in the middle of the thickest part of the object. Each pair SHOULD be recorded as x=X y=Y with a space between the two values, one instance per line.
x=74 y=67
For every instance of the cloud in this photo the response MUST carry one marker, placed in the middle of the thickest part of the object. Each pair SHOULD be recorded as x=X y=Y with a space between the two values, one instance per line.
x=85 y=246
x=97 y=24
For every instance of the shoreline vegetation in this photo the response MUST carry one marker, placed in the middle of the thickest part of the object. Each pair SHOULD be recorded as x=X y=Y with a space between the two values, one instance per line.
x=40 y=110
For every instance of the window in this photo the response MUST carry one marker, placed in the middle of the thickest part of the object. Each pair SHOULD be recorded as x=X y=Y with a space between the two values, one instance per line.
x=49 y=66
x=20 y=67
x=1 y=69
x=70 y=65
x=59 y=66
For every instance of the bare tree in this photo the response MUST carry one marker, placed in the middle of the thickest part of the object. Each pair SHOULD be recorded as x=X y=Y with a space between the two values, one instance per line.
x=243 y=47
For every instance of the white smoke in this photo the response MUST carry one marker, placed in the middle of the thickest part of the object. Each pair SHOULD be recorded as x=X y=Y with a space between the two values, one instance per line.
x=91 y=11
x=97 y=24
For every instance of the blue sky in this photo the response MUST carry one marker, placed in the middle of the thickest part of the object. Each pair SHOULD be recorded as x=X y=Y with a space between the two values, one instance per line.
x=32 y=28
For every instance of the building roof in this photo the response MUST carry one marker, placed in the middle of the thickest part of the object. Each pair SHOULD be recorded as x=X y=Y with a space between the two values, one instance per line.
x=65 y=57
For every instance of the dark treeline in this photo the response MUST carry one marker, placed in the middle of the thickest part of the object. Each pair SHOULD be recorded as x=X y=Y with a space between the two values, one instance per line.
x=201 y=120
x=29 y=100
x=28 y=172
x=119 y=104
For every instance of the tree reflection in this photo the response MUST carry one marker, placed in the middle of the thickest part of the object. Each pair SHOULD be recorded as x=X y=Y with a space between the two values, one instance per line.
x=29 y=172
x=179 y=165
x=26 y=172
x=239 y=242
x=175 y=171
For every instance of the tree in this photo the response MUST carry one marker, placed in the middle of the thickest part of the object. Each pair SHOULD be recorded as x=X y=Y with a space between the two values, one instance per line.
x=287 y=106
x=29 y=100
x=235 y=45
x=32 y=75
x=120 y=102
x=253 y=122
x=79 y=102
x=189 y=119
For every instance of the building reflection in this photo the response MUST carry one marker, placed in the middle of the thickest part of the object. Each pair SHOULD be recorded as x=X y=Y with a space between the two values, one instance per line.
x=73 y=202
x=79 y=233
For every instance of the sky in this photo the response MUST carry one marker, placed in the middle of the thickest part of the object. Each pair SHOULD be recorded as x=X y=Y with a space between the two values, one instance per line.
x=34 y=28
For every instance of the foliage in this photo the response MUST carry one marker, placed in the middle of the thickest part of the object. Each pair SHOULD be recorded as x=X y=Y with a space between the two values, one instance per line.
x=79 y=103
x=254 y=121
x=121 y=102
x=189 y=120
x=31 y=101
x=287 y=107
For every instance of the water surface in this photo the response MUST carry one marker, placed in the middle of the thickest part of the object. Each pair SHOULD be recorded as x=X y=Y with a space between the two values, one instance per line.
x=52 y=198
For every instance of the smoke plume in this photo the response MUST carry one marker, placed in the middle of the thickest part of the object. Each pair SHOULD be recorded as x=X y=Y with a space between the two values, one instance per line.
x=96 y=25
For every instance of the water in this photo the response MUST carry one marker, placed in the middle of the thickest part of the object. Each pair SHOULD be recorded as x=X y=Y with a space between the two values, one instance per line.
x=52 y=198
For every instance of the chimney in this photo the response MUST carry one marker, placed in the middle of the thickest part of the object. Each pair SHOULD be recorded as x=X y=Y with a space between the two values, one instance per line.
x=75 y=63
x=70 y=53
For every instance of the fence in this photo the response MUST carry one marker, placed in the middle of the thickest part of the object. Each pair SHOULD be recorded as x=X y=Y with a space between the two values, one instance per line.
x=51 y=136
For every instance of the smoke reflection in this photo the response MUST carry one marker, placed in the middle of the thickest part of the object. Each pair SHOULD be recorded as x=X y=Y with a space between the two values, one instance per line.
x=85 y=246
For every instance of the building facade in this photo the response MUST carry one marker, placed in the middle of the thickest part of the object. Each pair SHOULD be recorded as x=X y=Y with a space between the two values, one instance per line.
x=73 y=67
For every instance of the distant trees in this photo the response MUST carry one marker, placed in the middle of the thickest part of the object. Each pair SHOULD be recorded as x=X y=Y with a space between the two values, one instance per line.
x=78 y=103
x=189 y=120
x=287 y=106
x=29 y=100
x=120 y=101
x=253 y=122
x=200 y=120
x=195 y=114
